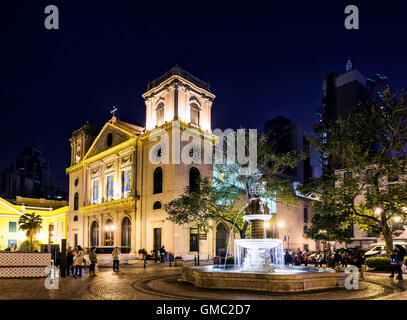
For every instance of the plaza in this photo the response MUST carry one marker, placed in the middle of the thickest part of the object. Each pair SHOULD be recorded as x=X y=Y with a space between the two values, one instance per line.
x=161 y=282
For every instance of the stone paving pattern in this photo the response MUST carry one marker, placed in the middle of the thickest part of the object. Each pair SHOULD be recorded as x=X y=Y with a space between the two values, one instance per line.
x=161 y=282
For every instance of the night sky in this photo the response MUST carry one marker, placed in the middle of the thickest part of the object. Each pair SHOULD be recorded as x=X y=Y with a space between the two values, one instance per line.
x=261 y=59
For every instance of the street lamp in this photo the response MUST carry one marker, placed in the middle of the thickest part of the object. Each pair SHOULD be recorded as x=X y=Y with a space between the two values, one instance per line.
x=397 y=219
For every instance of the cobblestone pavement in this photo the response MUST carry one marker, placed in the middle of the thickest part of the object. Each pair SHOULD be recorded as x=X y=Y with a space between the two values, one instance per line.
x=161 y=282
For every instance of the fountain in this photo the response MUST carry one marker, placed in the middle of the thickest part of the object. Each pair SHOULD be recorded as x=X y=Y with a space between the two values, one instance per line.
x=259 y=262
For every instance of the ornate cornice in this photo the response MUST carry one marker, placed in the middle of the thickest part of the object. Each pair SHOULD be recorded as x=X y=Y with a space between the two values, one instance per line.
x=103 y=154
x=182 y=126
x=121 y=204
x=178 y=81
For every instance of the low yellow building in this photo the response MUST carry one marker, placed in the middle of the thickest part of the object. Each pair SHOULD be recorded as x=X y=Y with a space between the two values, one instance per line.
x=53 y=213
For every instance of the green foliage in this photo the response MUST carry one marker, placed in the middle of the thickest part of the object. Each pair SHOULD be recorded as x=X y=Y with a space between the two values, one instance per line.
x=365 y=143
x=225 y=198
x=25 y=246
x=380 y=263
x=31 y=224
x=197 y=207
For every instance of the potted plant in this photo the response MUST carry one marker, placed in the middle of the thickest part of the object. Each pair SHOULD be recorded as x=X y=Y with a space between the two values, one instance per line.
x=142 y=253
x=179 y=261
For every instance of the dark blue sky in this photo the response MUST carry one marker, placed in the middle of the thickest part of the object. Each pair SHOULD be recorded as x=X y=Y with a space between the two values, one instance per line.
x=261 y=58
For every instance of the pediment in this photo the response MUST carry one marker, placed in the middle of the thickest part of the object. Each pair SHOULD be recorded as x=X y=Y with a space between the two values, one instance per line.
x=109 y=137
x=7 y=208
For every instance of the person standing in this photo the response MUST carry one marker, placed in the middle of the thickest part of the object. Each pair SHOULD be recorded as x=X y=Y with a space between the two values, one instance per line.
x=357 y=260
x=400 y=253
x=69 y=261
x=304 y=258
x=116 y=258
x=93 y=260
x=287 y=257
x=344 y=260
x=79 y=261
x=162 y=254
x=337 y=259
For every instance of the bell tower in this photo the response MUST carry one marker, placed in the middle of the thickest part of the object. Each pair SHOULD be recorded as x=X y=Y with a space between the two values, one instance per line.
x=178 y=95
x=81 y=141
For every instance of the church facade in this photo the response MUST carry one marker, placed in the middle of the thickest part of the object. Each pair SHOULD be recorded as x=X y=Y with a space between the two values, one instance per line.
x=119 y=181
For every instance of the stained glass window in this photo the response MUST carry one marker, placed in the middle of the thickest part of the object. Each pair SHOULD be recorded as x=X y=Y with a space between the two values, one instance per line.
x=126 y=183
x=109 y=188
x=95 y=197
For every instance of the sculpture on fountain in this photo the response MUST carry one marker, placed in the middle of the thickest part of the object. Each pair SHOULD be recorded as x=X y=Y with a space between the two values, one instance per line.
x=258 y=249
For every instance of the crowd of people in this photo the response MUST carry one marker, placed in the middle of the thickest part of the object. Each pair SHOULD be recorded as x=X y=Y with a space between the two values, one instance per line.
x=75 y=261
x=330 y=259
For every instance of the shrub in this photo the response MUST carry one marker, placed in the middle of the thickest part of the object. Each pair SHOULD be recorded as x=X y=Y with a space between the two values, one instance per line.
x=230 y=260
x=380 y=263
x=25 y=246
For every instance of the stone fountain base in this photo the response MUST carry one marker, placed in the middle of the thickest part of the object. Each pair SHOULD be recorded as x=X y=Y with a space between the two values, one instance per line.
x=293 y=279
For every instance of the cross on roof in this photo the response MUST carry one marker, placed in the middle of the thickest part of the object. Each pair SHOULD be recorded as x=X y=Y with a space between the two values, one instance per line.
x=113 y=112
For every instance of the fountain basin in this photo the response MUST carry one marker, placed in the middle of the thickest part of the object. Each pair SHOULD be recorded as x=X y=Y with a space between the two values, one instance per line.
x=290 y=279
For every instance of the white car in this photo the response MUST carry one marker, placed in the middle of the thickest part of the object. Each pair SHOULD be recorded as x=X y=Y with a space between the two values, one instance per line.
x=378 y=250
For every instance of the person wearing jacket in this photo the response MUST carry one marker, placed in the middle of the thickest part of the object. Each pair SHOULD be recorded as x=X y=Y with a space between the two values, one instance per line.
x=69 y=261
x=116 y=258
x=400 y=253
x=93 y=260
x=79 y=261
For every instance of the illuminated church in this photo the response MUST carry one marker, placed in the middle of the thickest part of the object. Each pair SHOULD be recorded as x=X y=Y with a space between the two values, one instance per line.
x=119 y=181
x=117 y=194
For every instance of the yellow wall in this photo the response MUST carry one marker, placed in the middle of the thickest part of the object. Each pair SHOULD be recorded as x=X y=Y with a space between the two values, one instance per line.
x=12 y=213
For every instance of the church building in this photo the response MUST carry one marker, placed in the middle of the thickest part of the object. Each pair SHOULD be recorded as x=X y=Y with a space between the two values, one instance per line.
x=118 y=183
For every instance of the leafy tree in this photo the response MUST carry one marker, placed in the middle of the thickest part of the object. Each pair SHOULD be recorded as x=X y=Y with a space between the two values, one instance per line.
x=31 y=224
x=365 y=148
x=225 y=197
x=198 y=207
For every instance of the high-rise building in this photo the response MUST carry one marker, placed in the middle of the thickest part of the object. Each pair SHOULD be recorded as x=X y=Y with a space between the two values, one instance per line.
x=286 y=136
x=341 y=93
x=29 y=176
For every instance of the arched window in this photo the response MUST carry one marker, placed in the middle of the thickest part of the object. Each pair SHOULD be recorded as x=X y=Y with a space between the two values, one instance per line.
x=76 y=201
x=75 y=218
x=159 y=111
x=109 y=233
x=194 y=179
x=305 y=230
x=157 y=205
x=126 y=233
x=158 y=180
x=94 y=234
x=195 y=110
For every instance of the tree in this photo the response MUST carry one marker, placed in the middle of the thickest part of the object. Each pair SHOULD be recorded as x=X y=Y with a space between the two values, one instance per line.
x=197 y=206
x=31 y=224
x=366 y=150
x=225 y=197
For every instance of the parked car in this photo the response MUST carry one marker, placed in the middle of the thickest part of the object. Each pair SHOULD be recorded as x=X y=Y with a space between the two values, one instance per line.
x=379 y=250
